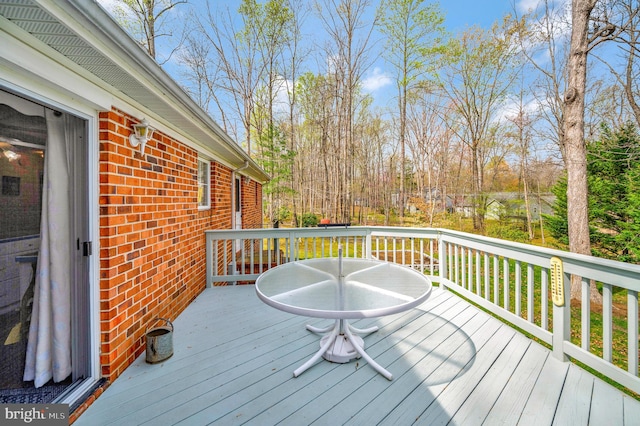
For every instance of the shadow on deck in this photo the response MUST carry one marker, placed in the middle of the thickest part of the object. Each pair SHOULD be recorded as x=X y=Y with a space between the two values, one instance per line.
x=452 y=363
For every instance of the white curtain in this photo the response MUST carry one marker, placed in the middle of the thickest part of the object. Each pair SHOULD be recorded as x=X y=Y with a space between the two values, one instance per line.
x=49 y=344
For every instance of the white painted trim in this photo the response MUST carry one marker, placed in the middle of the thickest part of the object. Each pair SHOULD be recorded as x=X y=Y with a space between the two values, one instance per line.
x=236 y=197
x=93 y=173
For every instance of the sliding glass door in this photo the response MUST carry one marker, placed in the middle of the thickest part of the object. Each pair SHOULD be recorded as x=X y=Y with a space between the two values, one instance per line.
x=44 y=251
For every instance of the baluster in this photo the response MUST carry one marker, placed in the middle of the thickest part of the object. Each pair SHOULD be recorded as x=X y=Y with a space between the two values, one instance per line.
x=453 y=263
x=456 y=259
x=470 y=269
x=392 y=249
x=496 y=280
x=386 y=249
x=431 y=257
x=464 y=268
x=544 y=299
x=506 y=295
x=486 y=275
x=413 y=254
x=518 y=311
x=607 y=306
x=586 y=315
x=225 y=257
x=632 y=330
x=530 y=296
x=251 y=258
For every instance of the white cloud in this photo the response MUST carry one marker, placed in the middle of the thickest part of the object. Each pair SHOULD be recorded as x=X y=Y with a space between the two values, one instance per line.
x=550 y=20
x=281 y=102
x=376 y=80
x=526 y=6
x=559 y=10
x=511 y=108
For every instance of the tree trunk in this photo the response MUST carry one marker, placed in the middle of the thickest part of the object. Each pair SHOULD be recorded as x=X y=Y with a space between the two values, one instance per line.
x=576 y=151
x=403 y=127
x=540 y=215
x=477 y=187
x=527 y=209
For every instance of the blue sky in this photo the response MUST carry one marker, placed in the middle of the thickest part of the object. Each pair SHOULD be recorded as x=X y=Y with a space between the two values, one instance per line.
x=464 y=13
x=459 y=15
x=378 y=79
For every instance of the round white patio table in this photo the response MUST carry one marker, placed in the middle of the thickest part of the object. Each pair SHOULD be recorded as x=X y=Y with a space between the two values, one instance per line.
x=342 y=289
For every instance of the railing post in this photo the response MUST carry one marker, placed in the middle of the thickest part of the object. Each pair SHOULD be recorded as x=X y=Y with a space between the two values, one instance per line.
x=292 y=246
x=367 y=247
x=562 y=322
x=442 y=261
x=209 y=259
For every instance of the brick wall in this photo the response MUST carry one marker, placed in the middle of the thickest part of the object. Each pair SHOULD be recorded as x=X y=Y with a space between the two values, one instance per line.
x=251 y=204
x=152 y=243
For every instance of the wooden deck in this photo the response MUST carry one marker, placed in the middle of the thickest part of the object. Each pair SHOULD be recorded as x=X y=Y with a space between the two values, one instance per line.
x=452 y=364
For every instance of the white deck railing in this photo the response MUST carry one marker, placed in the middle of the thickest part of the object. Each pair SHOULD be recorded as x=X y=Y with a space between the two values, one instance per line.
x=511 y=280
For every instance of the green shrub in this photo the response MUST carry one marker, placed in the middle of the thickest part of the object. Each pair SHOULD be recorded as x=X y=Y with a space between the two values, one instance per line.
x=309 y=220
x=508 y=232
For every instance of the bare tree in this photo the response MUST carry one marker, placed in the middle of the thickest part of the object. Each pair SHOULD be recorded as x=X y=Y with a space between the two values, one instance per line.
x=476 y=83
x=150 y=22
x=522 y=124
x=347 y=48
x=621 y=20
x=429 y=141
x=201 y=77
x=234 y=61
x=414 y=36
x=544 y=42
x=294 y=55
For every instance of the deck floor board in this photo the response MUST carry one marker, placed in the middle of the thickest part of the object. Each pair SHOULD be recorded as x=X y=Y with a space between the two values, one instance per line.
x=452 y=364
x=477 y=406
x=508 y=407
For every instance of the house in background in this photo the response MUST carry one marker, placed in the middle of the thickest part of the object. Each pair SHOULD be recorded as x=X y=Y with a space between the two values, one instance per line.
x=511 y=205
x=99 y=236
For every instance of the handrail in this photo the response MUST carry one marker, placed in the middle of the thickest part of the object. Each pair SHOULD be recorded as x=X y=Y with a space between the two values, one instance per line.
x=511 y=280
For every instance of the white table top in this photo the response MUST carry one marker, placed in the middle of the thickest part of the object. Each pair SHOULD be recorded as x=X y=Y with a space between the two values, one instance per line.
x=369 y=288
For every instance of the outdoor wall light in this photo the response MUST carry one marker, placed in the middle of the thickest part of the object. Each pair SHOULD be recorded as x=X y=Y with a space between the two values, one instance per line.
x=6 y=148
x=141 y=134
x=12 y=156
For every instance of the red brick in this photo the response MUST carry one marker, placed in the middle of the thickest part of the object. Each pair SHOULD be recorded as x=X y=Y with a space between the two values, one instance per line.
x=152 y=232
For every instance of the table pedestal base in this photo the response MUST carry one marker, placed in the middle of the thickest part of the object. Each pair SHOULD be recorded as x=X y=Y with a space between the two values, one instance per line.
x=341 y=345
x=342 y=350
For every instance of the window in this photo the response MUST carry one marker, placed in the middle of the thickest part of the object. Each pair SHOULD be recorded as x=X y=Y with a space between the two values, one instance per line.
x=238 y=195
x=204 y=193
